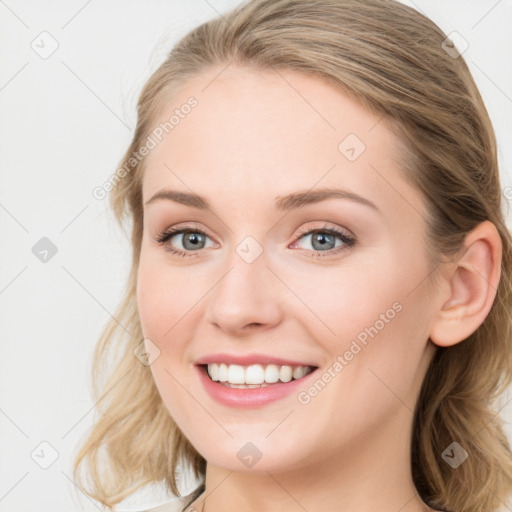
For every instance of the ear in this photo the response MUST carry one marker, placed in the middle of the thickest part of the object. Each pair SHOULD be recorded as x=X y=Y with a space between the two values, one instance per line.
x=472 y=282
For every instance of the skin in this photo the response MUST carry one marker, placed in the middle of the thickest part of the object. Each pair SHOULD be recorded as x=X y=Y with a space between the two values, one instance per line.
x=253 y=138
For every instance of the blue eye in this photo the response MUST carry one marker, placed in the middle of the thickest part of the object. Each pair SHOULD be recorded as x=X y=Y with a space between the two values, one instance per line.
x=193 y=240
x=324 y=241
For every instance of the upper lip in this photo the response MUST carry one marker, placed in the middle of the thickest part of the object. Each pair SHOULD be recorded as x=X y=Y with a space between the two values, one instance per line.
x=249 y=359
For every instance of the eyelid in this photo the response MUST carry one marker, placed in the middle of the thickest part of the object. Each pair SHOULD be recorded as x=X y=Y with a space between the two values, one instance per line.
x=307 y=228
x=346 y=236
x=341 y=232
x=183 y=226
x=180 y=229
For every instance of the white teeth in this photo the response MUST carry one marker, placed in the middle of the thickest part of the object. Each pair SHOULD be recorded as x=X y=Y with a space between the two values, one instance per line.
x=255 y=375
x=236 y=374
x=286 y=373
x=271 y=373
x=214 y=371
x=223 y=373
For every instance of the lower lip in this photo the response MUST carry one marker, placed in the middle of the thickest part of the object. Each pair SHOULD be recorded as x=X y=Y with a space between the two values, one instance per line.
x=255 y=397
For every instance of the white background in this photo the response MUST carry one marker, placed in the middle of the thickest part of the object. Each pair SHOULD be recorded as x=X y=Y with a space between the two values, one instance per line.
x=66 y=121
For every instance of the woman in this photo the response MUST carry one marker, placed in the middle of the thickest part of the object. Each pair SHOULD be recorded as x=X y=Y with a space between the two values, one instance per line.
x=318 y=311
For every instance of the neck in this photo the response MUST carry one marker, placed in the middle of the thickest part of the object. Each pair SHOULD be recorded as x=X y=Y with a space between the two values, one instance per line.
x=373 y=473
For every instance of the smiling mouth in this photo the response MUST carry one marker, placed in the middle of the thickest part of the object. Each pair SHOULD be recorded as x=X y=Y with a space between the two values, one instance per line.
x=255 y=375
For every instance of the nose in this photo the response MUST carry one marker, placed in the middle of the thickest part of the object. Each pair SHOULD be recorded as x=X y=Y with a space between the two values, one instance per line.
x=247 y=296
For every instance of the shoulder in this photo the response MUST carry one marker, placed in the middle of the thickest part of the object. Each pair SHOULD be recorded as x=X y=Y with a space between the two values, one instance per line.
x=176 y=505
x=158 y=498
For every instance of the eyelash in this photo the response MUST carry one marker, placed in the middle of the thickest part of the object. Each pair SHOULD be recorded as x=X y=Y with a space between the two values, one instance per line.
x=347 y=240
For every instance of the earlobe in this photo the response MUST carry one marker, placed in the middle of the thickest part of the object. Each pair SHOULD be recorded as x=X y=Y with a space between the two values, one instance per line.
x=472 y=284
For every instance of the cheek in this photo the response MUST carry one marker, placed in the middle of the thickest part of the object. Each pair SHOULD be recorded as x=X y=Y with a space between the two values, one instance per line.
x=382 y=345
x=159 y=297
x=371 y=313
x=340 y=301
x=162 y=306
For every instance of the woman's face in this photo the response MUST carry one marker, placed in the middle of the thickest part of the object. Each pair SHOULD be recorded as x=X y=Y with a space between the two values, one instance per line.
x=263 y=277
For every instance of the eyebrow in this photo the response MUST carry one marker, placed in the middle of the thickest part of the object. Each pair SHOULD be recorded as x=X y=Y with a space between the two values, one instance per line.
x=283 y=203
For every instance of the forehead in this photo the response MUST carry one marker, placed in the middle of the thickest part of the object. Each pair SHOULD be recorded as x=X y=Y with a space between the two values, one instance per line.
x=257 y=133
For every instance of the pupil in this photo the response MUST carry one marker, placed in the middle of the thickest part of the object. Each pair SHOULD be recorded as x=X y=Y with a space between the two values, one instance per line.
x=323 y=238
x=192 y=238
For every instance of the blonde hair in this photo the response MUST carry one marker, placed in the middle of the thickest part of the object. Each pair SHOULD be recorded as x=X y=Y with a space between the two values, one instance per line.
x=390 y=59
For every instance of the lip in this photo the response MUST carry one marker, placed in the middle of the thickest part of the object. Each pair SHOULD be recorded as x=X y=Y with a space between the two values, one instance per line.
x=250 y=398
x=248 y=359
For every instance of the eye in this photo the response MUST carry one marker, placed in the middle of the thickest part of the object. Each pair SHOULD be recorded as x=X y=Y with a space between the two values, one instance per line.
x=191 y=239
x=323 y=240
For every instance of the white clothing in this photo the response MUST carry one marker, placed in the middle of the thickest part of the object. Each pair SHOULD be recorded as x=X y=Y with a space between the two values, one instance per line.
x=176 y=505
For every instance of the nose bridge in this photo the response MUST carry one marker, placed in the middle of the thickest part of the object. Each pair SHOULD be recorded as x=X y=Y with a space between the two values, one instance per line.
x=246 y=294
